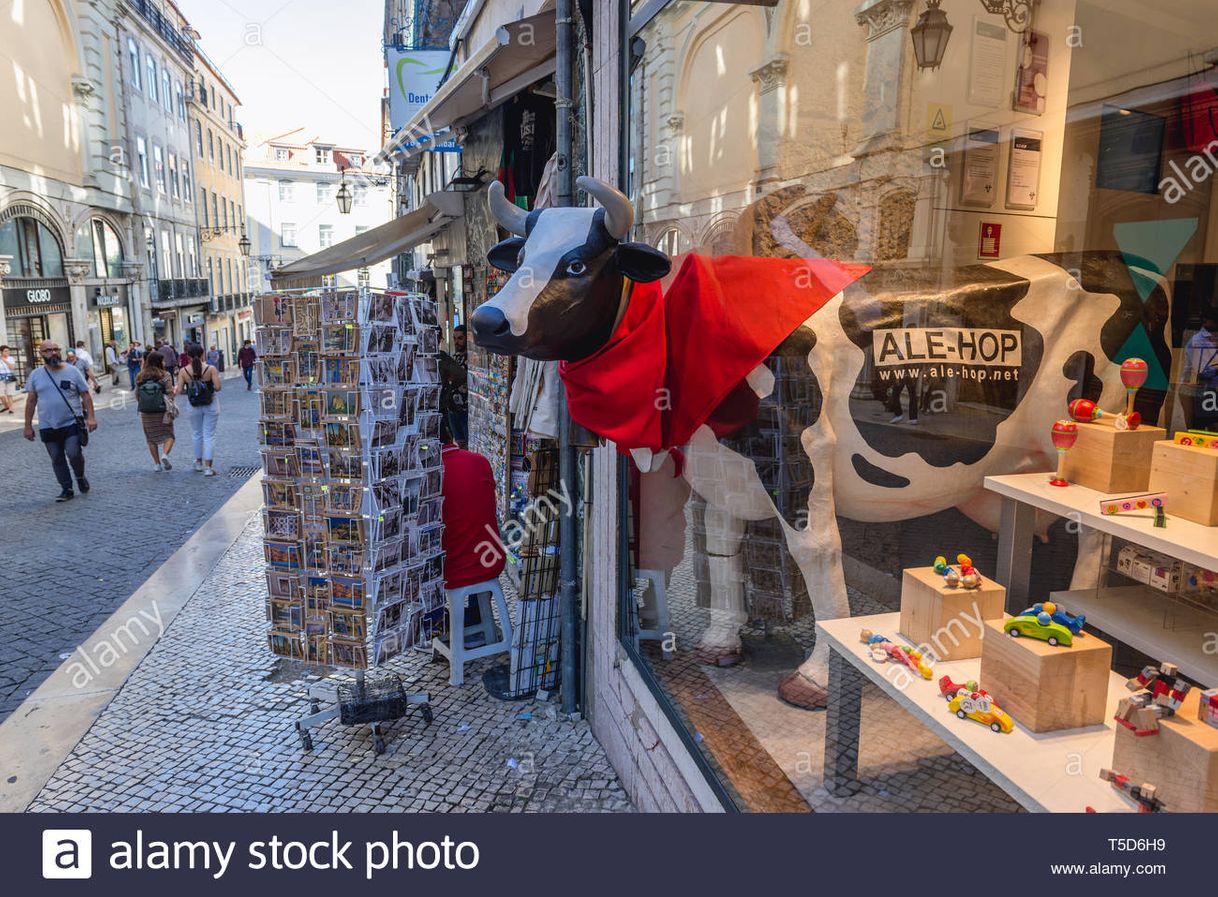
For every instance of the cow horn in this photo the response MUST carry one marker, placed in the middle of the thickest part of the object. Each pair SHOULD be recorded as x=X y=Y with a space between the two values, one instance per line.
x=510 y=216
x=619 y=213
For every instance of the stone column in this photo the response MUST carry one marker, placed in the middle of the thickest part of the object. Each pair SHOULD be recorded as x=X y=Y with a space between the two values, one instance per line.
x=77 y=270
x=138 y=306
x=887 y=24
x=771 y=75
x=6 y=268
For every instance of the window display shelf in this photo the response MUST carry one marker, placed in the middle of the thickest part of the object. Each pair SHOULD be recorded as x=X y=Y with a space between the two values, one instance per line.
x=1034 y=768
x=1190 y=542
x=1149 y=621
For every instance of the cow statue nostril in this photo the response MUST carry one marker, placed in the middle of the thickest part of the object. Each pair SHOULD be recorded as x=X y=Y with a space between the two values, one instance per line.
x=488 y=323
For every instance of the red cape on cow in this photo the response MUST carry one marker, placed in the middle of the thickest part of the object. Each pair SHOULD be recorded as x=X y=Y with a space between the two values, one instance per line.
x=678 y=355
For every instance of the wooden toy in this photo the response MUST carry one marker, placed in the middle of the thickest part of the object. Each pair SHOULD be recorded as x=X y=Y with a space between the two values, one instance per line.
x=1134 y=372
x=979 y=706
x=1186 y=468
x=1113 y=461
x=1158 y=692
x=1045 y=622
x=1065 y=434
x=1154 y=503
x=1205 y=439
x=1145 y=794
x=967 y=575
x=1047 y=688
x=1207 y=709
x=1085 y=411
x=1182 y=760
x=884 y=649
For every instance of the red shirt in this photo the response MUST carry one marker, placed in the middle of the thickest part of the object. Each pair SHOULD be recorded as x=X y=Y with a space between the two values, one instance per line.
x=473 y=550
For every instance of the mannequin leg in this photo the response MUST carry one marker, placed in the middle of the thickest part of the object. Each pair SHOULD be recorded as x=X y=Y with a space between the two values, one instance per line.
x=720 y=643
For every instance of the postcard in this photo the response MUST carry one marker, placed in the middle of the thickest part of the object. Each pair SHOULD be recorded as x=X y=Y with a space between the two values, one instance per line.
x=387 y=494
x=346 y=560
x=280 y=462
x=387 y=555
x=405 y=361
x=382 y=401
x=424 y=311
x=284 y=555
x=273 y=309
x=278 y=433
x=344 y=498
x=278 y=370
x=313 y=557
x=340 y=370
x=390 y=646
x=345 y=529
x=342 y=435
x=346 y=624
x=305 y=310
x=384 y=433
x=347 y=591
x=341 y=403
x=339 y=307
x=340 y=339
x=309 y=458
x=345 y=464
x=313 y=501
x=285 y=644
x=426 y=370
x=280 y=523
x=388 y=524
x=380 y=370
x=285 y=614
x=280 y=494
x=428 y=341
x=282 y=585
x=380 y=308
x=380 y=339
x=274 y=340
x=308 y=408
x=348 y=654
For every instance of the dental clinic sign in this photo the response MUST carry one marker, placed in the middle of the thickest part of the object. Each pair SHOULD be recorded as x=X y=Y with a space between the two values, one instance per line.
x=414 y=76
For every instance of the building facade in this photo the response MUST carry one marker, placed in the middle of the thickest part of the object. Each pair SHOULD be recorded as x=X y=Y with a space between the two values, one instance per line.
x=70 y=263
x=292 y=184
x=157 y=51
x=217 y=142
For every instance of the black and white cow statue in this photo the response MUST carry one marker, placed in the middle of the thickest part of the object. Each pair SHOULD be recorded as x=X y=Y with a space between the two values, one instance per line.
x=573 y=279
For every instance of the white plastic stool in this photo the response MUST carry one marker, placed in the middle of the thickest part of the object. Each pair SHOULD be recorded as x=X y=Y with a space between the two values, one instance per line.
x=455 y=650
x=655 y=579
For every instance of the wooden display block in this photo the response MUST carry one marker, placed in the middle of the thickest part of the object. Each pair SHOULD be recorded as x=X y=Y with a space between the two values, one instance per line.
x=1110 y=460
x=1181 y=761
x=947 y=620
x=1189 y=476
x=1046 y=687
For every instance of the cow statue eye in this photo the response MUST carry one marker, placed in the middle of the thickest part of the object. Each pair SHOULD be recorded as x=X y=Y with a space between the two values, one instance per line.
x=576 y=268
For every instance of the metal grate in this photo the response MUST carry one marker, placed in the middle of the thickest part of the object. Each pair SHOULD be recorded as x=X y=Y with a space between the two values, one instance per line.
x=242 y=472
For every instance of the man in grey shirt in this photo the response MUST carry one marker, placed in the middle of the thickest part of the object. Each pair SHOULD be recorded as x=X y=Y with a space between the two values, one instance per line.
x=170 y=354
x=61 y=395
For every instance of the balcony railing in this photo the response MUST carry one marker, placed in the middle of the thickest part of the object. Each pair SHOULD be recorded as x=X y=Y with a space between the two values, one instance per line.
x=182 y=288
x=166 y=29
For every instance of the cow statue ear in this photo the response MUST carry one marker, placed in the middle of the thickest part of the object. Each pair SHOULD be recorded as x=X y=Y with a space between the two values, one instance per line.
x=505 y=255
x=641 y=263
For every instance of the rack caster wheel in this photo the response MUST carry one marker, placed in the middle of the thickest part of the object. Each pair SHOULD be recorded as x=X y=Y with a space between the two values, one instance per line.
x=314 y=706
x=378 y=744
x=306 y=740
x=428 y=716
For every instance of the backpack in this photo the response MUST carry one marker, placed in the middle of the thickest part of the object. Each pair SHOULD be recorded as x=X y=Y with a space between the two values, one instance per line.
x=150 y=397
x=198 y=391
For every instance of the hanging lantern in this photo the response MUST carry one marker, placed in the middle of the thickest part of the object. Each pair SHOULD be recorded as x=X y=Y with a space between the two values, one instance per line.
x=930 y=36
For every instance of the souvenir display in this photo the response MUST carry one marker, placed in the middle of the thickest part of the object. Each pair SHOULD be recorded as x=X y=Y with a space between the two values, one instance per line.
x=1158 y=692
x=884 y=649
x=1065 y=434
x=1157 y=570
x=1134 y=372
x=344 y=587
x=1047 y=622
x=1197 y=439
x=979 y=706
x=967 y=576
x=1144 y=794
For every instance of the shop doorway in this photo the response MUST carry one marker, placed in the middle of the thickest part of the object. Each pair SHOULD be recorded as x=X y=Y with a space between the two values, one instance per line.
x=25 y=336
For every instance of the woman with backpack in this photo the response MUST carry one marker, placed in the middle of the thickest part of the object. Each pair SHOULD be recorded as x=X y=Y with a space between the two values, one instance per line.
x=154 y=400
x=200 y=382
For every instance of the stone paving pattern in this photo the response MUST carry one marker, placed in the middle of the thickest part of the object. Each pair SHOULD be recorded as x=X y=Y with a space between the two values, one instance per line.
x=68 y=566
x=204 y=724
x=902 y=765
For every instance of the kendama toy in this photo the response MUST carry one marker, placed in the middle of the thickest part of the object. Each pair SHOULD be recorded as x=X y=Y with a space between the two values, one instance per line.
x=1134 y=372
x=1065 y=434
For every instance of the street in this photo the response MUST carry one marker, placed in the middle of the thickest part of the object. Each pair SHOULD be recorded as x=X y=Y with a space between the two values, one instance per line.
x=68 y=566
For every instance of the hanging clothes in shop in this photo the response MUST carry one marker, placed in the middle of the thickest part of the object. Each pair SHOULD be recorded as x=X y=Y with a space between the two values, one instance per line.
x=529 y=140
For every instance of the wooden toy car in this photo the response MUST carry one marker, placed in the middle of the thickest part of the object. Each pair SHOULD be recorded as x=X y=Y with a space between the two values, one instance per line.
x=1073 y=622
x=949 y=689
x=1039 y=625
x=979 y=706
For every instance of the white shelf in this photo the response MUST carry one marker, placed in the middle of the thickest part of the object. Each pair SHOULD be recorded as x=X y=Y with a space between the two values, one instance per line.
x=1181 y=539
x=1134 y=615
x=1045 y=772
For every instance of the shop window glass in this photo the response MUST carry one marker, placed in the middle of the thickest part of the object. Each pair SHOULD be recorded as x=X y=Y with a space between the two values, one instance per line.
x=107 y=251
x=34 y=248
x=1019 y=222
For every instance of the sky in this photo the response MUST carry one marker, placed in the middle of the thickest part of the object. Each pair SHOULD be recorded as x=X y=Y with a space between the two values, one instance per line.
x=315 y=64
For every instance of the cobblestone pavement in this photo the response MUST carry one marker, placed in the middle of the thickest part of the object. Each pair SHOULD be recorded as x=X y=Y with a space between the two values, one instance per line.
x=205 y=724
x=67 y=566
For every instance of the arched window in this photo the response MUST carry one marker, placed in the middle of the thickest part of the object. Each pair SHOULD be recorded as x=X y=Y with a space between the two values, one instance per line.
x=34 y=247
x=98 y=241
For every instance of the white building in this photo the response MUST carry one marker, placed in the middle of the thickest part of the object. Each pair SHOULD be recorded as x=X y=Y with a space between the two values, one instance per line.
x=291 y=192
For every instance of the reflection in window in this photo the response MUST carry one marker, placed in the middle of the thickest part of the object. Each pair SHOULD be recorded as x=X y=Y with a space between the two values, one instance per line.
x=34 y=248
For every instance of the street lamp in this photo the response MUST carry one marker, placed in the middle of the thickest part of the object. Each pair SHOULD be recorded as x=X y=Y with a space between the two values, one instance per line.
x=244 y=244
x=344 y=197
x=930 y=36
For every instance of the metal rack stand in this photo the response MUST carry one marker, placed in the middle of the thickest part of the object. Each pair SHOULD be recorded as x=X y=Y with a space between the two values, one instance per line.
x=358 y=703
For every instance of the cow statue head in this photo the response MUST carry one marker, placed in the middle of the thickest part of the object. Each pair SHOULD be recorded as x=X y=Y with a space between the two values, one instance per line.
x=569 y=267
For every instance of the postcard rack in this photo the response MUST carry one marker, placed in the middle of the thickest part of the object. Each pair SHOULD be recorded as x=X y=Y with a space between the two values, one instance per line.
x=350 y=427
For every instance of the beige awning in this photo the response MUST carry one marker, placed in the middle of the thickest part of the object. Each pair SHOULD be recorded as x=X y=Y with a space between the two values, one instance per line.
x=379 y=243
x=521 y=54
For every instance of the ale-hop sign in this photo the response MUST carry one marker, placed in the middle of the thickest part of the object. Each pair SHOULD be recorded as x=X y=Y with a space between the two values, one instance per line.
x=946 y=345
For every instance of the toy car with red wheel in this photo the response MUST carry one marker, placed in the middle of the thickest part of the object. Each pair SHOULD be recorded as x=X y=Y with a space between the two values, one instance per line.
x=981 y=707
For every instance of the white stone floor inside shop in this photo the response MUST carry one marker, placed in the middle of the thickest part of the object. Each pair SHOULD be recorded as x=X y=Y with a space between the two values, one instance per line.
x=902 y=766
x=205 y=724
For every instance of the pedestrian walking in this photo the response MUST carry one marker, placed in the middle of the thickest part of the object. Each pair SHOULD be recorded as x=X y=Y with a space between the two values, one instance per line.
x=169 y=355
x=213 y=357
x=154 y=401
x=246 y=357
x=85 y=366
x=8 y=380
x=199 y=382
x=61 y=395
x=135 y=361
x=82 y=352
x=112 y=361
